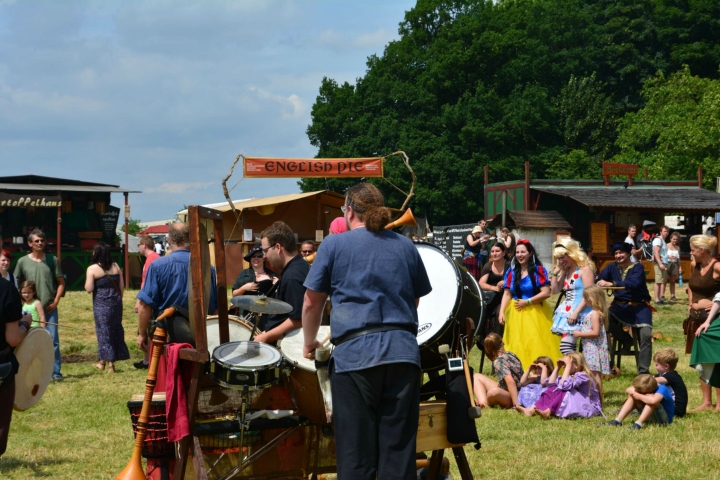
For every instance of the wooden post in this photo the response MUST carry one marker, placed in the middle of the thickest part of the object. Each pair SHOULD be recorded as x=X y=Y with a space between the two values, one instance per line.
x=646 y=174
x=487 y=174
x=59 y=233
x=700 y=177
x=526 y=200
x=125 y=254
x=504 y=207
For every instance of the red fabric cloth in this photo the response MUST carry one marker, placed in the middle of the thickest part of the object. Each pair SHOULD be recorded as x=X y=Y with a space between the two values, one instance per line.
x=177 y=381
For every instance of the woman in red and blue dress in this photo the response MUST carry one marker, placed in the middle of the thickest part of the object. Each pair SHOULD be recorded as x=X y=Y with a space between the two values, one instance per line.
x=524 y=312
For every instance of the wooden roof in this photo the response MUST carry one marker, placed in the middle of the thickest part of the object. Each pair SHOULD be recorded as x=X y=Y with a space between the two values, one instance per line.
x=546 y=219
x=676 y=199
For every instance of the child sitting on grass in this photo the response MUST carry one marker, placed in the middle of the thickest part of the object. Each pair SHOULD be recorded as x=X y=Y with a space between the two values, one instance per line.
x=653 y=401
x=509 y=371
x=535 y=381
x=574 y=395
x=665 y=362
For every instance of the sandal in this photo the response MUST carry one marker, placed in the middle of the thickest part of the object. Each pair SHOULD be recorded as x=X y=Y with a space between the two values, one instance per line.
x=99 y=366
x=111 y=369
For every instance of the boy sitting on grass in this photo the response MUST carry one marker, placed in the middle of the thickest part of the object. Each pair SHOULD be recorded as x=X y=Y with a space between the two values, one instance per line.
x=654 y=403
x=665 y=363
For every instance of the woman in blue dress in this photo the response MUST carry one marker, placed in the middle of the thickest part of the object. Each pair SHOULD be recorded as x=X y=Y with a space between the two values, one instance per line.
x=573 y=274
x=524 y=311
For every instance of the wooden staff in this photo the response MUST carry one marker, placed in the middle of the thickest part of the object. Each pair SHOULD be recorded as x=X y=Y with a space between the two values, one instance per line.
x=134 y=469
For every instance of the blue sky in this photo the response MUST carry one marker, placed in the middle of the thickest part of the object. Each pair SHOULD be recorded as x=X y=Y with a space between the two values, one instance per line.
x=161 y=96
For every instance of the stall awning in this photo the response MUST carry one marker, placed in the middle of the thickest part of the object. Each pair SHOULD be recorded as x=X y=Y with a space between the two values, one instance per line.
x=665 y=199
x=540 y=219
x=52 y=184
x=265 y=205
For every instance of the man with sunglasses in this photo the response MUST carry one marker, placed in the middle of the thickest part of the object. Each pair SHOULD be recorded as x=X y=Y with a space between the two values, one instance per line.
x=307 y=249
x=280 y=248
x=47 y=274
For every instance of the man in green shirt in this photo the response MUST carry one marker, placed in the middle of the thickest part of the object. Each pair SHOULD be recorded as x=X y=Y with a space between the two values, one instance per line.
x=47 y=274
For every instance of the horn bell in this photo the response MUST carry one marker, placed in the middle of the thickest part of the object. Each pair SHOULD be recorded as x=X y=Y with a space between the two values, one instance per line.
x=407 y=219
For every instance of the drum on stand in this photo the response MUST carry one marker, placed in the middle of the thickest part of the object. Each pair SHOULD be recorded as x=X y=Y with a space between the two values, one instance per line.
x=239 y=364
x=240 y=330
x=300 y=375
x=441 y=314
x=36 y=358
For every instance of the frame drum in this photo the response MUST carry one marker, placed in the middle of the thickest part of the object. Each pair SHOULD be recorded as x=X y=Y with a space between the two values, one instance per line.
x=239 y=364
x=240 y=330
x=36 y=357
x=301 y=376
x=441 y=314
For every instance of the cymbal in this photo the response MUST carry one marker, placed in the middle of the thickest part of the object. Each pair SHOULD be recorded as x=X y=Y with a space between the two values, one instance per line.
x=261 y=304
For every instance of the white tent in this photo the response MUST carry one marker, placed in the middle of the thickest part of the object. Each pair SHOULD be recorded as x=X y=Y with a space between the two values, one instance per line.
x=132 y=239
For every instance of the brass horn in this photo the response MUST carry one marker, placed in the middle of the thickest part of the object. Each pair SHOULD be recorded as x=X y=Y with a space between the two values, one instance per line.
x=407 y=218
x=134 y=469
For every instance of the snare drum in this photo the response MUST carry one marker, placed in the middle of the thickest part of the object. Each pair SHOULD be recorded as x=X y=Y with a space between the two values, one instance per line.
x=301 y=376
x=441 y=314
x=239 y=364
x=240 y=330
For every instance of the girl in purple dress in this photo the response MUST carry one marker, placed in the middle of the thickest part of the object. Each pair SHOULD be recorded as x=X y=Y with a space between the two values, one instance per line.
x=574 y=395
x=535 y=381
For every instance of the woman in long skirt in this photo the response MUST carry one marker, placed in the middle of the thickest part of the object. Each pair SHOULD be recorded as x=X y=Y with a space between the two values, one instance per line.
x=104 y=281
x=524 y=311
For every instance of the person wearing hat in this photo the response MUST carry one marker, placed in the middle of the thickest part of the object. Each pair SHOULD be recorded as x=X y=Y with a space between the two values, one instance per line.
x=474 y=244
x=256 y=280
x=339 y=225
x=631 y=305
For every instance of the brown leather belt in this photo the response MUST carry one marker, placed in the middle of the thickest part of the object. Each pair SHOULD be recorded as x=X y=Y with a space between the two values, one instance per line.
x=625 y=302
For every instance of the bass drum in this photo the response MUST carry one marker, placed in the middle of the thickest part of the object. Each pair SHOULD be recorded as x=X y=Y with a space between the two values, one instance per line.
x=441 y=314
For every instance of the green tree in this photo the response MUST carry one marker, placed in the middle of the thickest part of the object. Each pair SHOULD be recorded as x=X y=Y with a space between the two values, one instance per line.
x=472 y=83
x=133 y=226
x=677 y=130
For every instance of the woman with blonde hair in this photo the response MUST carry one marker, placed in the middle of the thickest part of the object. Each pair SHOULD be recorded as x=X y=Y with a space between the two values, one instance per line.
x=704 y=283
x=573 y=274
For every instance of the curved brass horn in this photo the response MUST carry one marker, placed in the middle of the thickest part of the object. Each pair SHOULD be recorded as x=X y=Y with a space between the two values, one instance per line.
x=407 y=218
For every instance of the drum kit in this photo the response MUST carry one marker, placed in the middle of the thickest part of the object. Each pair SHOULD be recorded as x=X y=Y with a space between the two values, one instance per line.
x=250 y=367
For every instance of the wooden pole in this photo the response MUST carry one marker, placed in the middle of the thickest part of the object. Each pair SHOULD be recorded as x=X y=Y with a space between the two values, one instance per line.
x=127 y=225
x=526 y=200
x=700 y=175
x=59 y=233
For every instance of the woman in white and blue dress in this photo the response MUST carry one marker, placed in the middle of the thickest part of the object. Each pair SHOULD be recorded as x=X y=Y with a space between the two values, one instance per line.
x=573 y=273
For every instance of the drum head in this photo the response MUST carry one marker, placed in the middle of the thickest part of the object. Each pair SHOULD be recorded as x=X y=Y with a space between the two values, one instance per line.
x=291 y=346
x=36 y=357
x=437 y=308
x=246 y=355
x=239 y=331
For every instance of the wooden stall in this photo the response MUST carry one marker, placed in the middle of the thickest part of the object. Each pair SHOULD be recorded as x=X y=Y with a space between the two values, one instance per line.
x=307 y=214
x=74 y=215
x=600 y=211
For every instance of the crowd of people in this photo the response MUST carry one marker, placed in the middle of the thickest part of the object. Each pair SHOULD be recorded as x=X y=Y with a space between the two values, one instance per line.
x=546 y=361
x=539 y=366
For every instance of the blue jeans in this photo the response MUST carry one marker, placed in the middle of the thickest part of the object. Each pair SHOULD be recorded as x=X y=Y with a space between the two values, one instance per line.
x=53 y=331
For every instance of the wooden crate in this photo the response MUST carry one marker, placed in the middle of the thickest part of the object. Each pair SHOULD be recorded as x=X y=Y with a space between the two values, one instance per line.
x=432 y=427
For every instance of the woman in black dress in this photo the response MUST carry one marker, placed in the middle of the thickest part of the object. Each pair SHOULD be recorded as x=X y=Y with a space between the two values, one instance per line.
x=491 y=282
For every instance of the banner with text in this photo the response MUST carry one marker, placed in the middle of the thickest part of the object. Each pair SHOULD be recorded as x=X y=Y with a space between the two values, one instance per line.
x=312 y=167
x=42 y=201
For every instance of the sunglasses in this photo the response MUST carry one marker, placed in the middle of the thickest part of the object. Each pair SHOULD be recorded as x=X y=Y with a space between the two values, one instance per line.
x=258 y=256
x=307 y=251
x=39 y=240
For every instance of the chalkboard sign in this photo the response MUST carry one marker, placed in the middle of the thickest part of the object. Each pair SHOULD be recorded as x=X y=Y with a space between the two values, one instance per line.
x=108 y=223
x=452 y=238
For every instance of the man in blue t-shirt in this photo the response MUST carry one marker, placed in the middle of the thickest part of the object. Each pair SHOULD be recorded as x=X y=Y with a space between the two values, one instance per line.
x=375 y=279
x=653 y=401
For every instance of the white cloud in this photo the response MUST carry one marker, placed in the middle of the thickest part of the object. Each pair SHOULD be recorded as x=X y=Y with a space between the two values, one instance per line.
x=292 y=106
x=178 y=188
x=377 y=39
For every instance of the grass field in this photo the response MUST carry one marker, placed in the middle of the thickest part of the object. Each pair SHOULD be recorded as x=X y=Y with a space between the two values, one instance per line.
x=81 y=427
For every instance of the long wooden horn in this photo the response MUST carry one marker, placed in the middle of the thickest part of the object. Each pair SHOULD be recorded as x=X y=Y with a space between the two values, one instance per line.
x=134 y=469
x=407 y=218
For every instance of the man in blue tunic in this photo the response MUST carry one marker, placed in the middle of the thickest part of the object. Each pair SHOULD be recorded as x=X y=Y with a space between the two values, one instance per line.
x=631 y=305
x=375 y=279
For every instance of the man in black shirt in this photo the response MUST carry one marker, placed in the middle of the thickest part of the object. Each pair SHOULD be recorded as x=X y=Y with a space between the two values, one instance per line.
x=280 y=248
x=13 y=328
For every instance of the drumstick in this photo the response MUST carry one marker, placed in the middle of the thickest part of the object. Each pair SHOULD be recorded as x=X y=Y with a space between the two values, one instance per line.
x=324 y=340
